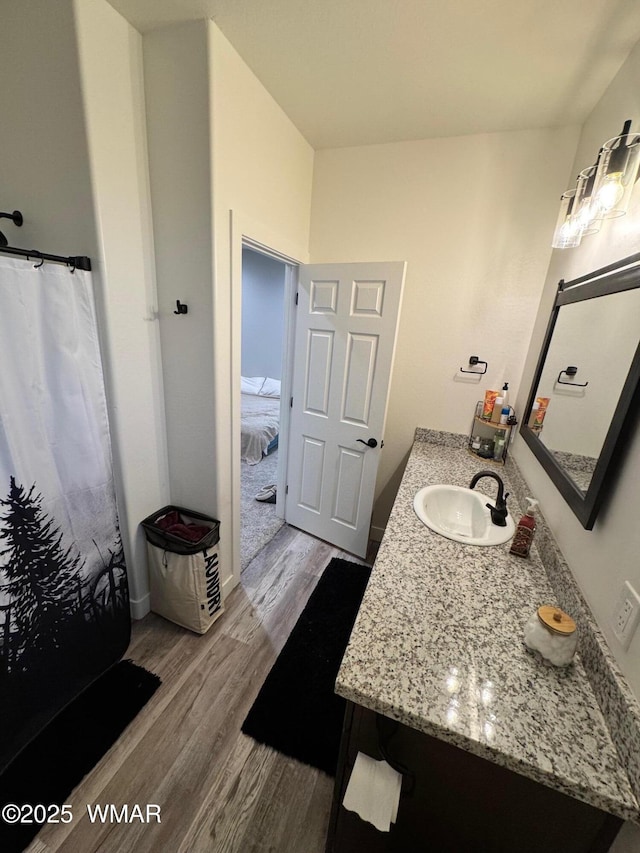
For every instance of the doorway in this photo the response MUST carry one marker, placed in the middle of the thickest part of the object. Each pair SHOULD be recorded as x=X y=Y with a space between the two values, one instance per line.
x=247 y=233
x=365 y=299
x=262 y=367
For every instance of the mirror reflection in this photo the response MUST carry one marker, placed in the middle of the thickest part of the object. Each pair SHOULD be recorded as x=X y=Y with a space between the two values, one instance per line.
x=585 y=369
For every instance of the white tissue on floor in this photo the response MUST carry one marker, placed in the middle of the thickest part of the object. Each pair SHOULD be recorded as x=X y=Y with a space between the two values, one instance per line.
x=373 y=792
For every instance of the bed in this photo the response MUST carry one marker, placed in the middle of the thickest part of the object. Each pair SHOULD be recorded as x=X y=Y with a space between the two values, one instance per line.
x=260 y=417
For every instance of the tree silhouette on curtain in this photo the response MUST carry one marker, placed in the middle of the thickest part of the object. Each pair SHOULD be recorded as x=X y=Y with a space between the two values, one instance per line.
x=42 y=577
x=64 y=618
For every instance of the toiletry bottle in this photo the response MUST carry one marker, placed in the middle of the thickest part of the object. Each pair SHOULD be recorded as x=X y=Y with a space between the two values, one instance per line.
x=505 y=394
x=521 y=544
x=489 y=401
x=486 y=448
x=497 y=410
x=534 y=413
x=543 y=403
x=505 y=414
x=498 y=450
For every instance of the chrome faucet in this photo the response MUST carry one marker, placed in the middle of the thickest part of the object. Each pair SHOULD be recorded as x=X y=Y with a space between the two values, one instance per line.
x=499 y=511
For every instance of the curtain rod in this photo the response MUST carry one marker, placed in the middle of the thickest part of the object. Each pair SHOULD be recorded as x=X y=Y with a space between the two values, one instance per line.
x=76 y=262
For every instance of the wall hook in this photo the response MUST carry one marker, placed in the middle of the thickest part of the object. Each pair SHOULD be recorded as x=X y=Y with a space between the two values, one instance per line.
x=473 y=360
x=182 y=309
x=570 y=371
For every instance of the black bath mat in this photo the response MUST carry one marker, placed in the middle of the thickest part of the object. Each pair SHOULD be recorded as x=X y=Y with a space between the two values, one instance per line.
x=296 y=711
x=53 y=763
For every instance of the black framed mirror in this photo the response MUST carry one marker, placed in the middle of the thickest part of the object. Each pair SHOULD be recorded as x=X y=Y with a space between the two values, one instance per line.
x=585 y=392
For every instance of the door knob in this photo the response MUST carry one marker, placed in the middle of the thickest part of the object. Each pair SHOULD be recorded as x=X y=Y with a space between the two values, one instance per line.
x=371 y=443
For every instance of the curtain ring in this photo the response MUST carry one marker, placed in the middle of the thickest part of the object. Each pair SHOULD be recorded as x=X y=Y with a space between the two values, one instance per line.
x=72 y=264
x=37 y=254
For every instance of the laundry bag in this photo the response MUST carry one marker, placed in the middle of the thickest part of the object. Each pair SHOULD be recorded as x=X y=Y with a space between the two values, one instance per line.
x=183 y=558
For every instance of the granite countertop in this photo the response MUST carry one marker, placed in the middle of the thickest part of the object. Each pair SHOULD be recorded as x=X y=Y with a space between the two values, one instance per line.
x=437 y=645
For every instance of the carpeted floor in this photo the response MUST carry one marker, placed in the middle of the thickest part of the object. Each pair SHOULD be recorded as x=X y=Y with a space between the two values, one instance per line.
x=258 y=521
x=297 y=711
x=50 y=767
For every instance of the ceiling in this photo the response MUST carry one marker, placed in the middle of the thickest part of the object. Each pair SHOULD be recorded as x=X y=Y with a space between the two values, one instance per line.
x=359 y=72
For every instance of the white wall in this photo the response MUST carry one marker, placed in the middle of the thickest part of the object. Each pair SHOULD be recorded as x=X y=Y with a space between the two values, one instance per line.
x=78 y=184
x=44 y=165
x=603 y=558
x=473 y=217
x=176 y=72
x=110 y=52
x=262 y=315
x=263 y=164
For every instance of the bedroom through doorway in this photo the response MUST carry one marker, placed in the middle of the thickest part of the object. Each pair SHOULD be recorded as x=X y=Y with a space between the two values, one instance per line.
x=262 y=359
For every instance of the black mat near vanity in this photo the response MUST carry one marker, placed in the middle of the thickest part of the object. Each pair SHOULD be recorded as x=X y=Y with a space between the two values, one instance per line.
x=297 y=711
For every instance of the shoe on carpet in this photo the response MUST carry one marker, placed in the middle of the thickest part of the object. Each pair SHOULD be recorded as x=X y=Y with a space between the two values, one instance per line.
x=267 y=494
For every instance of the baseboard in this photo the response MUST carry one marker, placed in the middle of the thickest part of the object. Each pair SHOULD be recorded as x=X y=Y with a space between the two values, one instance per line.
x=228 y=585
x=376 y=533
x=140 y=607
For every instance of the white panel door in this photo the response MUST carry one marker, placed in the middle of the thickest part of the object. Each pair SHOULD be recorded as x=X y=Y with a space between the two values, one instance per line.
x=346 y=324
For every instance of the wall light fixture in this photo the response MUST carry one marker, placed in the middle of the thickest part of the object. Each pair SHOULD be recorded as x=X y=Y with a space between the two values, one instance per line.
x=588 y=214
x=617 y=172
x=567 y=234
x=602 y=191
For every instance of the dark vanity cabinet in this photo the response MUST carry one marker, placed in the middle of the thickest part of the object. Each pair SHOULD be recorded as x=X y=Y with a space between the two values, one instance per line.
x=455 y=802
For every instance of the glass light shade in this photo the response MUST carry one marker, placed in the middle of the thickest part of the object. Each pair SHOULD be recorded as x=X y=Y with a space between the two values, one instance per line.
x=586 y=209
x=617 y=172
x=567 y=234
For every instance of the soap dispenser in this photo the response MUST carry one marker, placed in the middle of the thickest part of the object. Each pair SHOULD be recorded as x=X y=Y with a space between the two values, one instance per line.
x=523 y=537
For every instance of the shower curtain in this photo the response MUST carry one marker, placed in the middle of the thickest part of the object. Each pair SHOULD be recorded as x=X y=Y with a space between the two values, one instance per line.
x=64 y=606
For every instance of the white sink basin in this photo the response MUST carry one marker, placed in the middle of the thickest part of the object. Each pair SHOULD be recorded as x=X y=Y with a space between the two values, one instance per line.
x=461 y=514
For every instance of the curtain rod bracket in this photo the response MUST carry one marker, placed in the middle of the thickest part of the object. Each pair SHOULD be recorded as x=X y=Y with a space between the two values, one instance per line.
x=15 y=217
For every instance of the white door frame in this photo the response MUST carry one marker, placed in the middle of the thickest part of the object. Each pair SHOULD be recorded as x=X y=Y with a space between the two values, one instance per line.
x=249 y=234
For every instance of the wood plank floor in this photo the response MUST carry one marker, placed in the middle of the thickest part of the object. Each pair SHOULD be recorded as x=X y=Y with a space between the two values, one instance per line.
x=219 y=791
